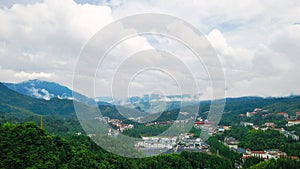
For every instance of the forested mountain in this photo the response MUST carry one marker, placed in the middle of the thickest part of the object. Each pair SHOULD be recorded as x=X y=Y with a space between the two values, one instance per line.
x=58 y=114
x=26 y=145
x=12 y=101
x=34 y=88
x=18 y=105
x=45 y=90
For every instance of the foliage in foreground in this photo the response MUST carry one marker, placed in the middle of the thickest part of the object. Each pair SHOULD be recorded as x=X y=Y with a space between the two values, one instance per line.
x=28 y=146
x=277 y=164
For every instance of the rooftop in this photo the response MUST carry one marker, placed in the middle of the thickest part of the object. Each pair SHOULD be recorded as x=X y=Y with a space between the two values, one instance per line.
x=282 y=113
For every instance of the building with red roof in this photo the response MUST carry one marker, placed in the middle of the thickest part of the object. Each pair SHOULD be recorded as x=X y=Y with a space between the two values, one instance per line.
x=250 y=114
x=284 y=114
x=203 y=123
x=265 y=154
x=293 y=157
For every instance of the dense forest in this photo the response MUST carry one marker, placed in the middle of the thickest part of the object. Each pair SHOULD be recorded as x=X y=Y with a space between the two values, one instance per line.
x=28 y=146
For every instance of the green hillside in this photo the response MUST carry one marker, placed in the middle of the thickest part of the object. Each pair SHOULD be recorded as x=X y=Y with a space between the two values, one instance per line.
x=27 y=146
x=13 y=100
x=58 y=115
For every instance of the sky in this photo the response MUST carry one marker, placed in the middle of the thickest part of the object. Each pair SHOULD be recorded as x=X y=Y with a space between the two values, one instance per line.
x=256 y=41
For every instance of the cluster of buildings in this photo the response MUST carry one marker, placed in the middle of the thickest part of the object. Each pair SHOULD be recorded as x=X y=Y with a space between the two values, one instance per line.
x=117 y=125
x=171 y=144
x=291 y=121
x=264 y=154
x=254 y=112
x=186 y=142
x=267 y=154
x=183 y=142
x=203 y=124
x=263 y=127
x=169 y=122
x=156 y=145
x=232 y=143
x=271 y=125
x=264 y=113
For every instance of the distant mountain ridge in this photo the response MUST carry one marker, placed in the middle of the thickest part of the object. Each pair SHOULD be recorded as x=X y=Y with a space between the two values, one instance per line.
x=45 y=90
x=14 y=102
x=147 y=98
x=50 y=92
x=16 y=105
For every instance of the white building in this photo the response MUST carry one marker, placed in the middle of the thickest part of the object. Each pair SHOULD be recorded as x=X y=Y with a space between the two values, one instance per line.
x=293 y=122
x=265 y=154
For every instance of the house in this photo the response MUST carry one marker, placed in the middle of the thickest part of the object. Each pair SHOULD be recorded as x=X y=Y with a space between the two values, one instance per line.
x=255 y=111
x=231 y=142
x=125 y=127
x=298 y=113
x=246 y=124
x=258 y=110
x=226 y=127
x=112 y=132
x=293 y=122
x=284 y=114
x=221 y=130
x=250 y=114
x=256 y=127
x=269 y=124
x=289 y=134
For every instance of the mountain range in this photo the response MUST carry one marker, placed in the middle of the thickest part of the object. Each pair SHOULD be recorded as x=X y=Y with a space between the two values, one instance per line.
x=12 y=101
x=48 y=90
x=29 y=97
x=45 y=90
x=59 y=113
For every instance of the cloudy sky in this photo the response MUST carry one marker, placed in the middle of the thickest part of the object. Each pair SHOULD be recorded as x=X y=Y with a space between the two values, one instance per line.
x=257 y=42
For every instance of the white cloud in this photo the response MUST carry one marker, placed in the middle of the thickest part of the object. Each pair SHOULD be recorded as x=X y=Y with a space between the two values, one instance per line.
x=40 y=93
x=44 y=38
x=257 y=41
x=266 y=70
x=34 y=75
